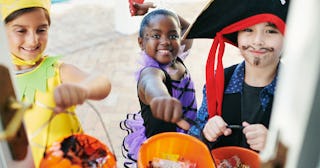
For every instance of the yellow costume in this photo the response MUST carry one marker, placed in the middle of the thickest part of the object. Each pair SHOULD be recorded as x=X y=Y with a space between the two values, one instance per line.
x=42 y=125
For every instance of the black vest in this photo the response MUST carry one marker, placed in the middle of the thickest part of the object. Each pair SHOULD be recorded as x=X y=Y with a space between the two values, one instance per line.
x=231 y=113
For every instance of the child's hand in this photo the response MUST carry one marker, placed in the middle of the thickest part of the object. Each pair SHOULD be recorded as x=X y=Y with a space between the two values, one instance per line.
x=256 y=135
x=141 y=9
x=184 y=124
x=168 y=109
x=67 y=94
x=214 y=128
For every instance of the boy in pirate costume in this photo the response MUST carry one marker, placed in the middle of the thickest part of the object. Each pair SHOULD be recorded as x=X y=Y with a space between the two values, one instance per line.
x=52 y=87
x=237 y=101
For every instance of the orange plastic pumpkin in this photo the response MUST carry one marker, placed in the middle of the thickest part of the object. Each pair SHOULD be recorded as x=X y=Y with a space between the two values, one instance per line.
x=78 y=151
x=186 y=146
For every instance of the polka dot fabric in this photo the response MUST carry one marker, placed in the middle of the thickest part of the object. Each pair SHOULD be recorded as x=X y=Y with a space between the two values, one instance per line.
x=236 y=85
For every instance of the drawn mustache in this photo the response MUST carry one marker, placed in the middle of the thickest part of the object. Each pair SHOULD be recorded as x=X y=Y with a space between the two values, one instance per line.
x=258 y=49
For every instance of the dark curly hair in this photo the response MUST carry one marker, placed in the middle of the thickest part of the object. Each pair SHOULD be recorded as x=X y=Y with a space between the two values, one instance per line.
x=146 y=20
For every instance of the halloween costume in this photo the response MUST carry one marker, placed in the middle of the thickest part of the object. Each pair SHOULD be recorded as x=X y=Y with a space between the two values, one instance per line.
x=233 y=107
x=42 y=125
x=221 y=20
x=142 y=125
x=36 y=87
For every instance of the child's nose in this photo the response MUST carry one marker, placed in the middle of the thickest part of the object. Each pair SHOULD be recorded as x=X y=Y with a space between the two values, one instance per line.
x=258 y=39
x=32 y=39
x=164 y=40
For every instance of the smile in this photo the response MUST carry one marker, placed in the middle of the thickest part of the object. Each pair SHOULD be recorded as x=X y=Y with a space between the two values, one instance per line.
x=31 y=49
x=258 y=51
x=164 y=52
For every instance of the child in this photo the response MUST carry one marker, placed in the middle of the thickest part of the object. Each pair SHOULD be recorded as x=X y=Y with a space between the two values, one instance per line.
x=52 y=87
x=237 y=101
x=165 y=89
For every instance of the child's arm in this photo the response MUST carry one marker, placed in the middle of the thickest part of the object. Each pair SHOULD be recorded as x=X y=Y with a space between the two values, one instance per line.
x=141 y=9
x=184 y=26
x=152 y=91
x=78 y=86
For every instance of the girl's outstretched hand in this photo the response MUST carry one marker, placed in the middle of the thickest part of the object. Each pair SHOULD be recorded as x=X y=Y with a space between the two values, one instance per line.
x=169 y=109
x=256 y=135
x=214 y=128
x=141 y=9
x=166 y=108
x=67 y=94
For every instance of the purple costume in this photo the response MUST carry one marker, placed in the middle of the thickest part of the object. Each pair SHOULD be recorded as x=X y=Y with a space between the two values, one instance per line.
x=142 y=124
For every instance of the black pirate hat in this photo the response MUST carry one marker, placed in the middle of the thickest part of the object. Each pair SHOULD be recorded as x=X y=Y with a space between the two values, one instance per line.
x=221 y=20
x=219 y=14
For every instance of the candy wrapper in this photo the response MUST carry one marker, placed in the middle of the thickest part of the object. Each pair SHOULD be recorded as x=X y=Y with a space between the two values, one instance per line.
x=233 y=162
x=171 y=162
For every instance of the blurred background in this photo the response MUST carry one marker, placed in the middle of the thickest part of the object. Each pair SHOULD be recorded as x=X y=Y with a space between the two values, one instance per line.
x=100 y=35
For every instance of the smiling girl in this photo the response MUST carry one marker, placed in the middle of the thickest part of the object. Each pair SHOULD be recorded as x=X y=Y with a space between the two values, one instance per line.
x=51 y=86
x=165 y=89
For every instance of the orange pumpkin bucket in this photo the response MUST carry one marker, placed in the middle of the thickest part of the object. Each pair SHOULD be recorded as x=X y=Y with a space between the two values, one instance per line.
x=173 y=144
x=246 y=156
x=78 y=151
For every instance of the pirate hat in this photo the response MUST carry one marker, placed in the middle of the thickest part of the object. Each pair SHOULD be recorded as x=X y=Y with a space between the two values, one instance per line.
x=221 y=20
x=219 y=14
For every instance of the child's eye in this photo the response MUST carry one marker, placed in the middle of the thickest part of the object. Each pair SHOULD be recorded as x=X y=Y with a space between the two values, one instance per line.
x=173 y=37
x=156 y=36
x=272 y=31
x=247 y=30
x=20 y=31
x=42 y=30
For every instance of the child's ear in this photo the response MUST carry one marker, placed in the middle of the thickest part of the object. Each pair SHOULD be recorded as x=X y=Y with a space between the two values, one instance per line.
x=140 y=41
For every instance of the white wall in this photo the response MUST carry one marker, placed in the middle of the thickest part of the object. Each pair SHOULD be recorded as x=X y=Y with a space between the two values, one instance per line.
x=296 y=105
